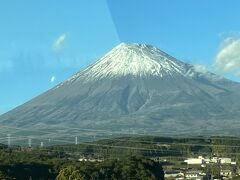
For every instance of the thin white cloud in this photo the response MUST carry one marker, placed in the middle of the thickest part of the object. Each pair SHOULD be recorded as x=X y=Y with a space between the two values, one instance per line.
x=200 y=68
x=59 y=42
x=52 y=79
x=227 y=59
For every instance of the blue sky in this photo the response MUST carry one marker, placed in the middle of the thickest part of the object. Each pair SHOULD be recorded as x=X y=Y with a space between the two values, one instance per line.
x=44 y=42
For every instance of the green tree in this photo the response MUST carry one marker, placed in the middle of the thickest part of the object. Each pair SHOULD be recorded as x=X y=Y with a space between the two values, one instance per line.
x=3 y=176
x=130 y=167
x=69 y=173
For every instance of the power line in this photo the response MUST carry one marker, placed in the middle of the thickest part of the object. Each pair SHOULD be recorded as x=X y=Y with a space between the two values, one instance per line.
x=127 y=140
x=122 y=133
x=153 y=150
x=131 y=148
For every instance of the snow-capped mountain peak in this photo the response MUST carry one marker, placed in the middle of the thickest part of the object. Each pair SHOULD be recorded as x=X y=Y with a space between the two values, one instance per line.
x=137 y=60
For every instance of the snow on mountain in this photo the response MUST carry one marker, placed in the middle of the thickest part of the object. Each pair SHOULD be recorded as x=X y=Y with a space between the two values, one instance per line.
x=131 y=59
x=139 y=60
x=137 y=86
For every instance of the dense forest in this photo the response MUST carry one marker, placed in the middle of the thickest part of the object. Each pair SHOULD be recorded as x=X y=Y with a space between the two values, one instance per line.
x=130 y=167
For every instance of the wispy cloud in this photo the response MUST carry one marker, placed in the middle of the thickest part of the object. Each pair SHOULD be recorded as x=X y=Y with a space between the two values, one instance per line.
x=59 y=42
x=200 y=68
x=227 y=59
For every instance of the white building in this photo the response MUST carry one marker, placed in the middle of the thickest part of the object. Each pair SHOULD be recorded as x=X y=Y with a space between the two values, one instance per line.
x=193 y=175
x=171 y=174
x=195 y=161
x=202 y=161
x=225 y=160
x=82 y=159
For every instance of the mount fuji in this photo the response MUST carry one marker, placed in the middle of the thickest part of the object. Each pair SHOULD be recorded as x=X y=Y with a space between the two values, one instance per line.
x=135 y=88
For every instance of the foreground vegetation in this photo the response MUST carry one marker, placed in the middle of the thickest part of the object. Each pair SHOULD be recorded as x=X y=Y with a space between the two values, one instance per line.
x=118 y=158
x=130 y=167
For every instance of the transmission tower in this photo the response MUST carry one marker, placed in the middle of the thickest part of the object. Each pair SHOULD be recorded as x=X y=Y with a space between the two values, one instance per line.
x=76 y=140
x=29 y=142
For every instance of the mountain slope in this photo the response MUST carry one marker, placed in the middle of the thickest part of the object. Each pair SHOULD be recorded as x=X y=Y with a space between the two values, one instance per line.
x=139 y=88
